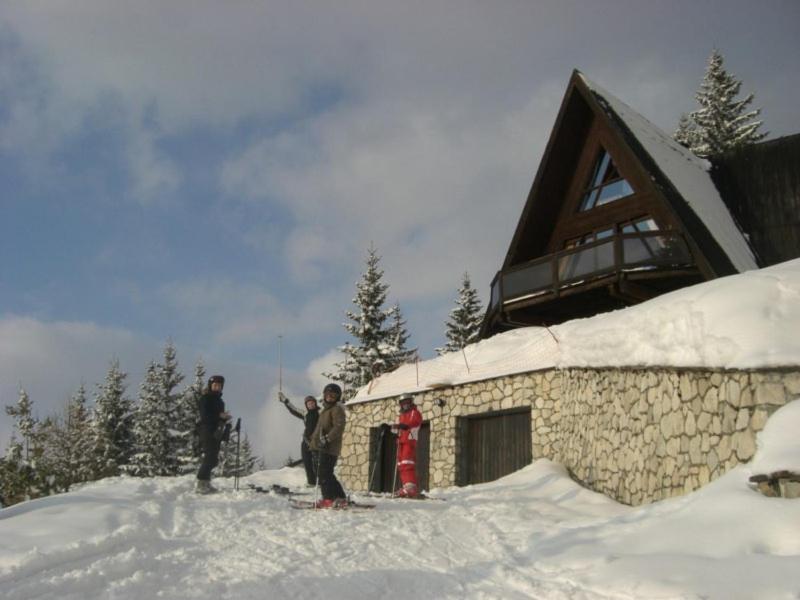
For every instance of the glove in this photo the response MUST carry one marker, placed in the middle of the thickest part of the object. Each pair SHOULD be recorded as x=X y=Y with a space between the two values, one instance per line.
x=282 y=398
x=323 y=440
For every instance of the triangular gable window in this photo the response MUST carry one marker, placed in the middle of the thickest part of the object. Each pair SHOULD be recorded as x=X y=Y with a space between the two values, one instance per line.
x=606 y=184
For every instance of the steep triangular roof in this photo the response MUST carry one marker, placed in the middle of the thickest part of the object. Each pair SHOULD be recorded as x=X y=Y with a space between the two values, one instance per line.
x=682 y=178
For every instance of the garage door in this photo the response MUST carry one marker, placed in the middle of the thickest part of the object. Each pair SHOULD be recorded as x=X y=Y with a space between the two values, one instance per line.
x=493 y=445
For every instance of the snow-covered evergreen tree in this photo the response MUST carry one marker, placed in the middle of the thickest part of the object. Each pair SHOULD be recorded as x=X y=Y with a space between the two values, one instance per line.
x=51 y=458
x=178 y=429
x=464 y=325
x=722 y=122
x=151 y=429
x=18 y=473
x=398 y=339
x=686 y=132
x=112 y=424
x=188 y=415
x=374 y=350
x=157 y=441
x=227 y=457
x=78 y=440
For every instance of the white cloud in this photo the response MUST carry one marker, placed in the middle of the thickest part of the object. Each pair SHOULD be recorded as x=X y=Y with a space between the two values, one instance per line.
x=240 y=313
x=50 y=360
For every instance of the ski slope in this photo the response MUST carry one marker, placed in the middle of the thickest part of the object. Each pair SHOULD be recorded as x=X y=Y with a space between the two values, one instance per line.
x=533 y=534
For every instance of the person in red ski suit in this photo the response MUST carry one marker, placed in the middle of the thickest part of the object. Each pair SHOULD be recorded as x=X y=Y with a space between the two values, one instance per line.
x=407 y=429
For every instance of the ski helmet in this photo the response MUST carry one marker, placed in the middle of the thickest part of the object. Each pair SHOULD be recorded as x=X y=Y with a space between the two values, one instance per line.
x=308 y=399
x=405 y=401
x=333 y=389
x=216 y=379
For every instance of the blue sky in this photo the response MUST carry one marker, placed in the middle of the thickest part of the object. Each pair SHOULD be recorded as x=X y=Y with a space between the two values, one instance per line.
x=213 y=173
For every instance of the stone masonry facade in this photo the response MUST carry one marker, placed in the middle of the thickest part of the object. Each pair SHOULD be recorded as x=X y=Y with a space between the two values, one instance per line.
x=636 y=435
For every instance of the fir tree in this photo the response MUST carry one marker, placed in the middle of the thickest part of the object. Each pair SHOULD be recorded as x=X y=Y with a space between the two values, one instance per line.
x=78 y=440
x=188 y=415
x=464 y=325
x=227 y=457
x=50 y=464
x=721 y=123
x=398 y=340
x=686 y=133
x=157 y=441
x=374 y=352
x=177 y=428
x=18 y=476
x=112 y=424
x=152 y=443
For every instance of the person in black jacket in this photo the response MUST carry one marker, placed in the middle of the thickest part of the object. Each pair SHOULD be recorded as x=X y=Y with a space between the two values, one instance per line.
x=309 y=418
x=213 y=420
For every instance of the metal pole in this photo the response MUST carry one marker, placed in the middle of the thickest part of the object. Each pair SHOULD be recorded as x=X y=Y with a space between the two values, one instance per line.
x=238 y=438
x=280 y=364
x=396 y=457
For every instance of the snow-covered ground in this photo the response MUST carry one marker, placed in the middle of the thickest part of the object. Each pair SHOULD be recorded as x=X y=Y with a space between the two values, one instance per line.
x=533 y=534
x=750 y=320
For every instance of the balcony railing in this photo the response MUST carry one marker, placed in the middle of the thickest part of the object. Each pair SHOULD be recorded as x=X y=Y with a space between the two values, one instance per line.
x=567 y=268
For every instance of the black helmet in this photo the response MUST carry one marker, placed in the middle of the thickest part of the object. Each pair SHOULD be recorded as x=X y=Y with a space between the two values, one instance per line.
x=334 y=389
x=308 y=399
x=216 y=379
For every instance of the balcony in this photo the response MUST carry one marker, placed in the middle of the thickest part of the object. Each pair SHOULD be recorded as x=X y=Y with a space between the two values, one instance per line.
x=606 y=262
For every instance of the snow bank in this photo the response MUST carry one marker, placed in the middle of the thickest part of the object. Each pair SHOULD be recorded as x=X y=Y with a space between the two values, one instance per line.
x=533 y=534
x=743 y=321
x=778 y=444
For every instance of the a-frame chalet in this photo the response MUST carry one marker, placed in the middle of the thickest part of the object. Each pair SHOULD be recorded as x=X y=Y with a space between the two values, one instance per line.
x=618 y=213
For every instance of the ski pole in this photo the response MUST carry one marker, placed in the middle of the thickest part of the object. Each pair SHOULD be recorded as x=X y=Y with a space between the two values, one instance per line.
x=238 y=430
x=375 y=458
x=316 y=487
x=396 y=457
x=280 y=365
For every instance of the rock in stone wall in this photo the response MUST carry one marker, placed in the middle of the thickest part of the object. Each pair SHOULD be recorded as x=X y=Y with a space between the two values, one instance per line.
x=643 y=435
x=637 y=435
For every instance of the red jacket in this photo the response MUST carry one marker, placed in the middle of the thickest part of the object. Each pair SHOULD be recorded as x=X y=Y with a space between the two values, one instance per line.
x=413 y=419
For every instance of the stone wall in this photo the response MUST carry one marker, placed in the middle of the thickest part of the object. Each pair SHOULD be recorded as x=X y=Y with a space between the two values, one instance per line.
x=636 y=435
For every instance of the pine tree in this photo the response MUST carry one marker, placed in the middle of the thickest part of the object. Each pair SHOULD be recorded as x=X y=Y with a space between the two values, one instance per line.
x=151 y=435
x=188 y=415
x=373 y=354
x=19 y=476
x=169 y=379
x=464 y=325
x=50 y=460
x=721 y=123
x=78 y=440
x=112 y=424
x=398 y=340
x=686 y=133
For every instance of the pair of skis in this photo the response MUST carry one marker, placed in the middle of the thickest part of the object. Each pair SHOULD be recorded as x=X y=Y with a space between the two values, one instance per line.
x=294 y=502
x=309 y=505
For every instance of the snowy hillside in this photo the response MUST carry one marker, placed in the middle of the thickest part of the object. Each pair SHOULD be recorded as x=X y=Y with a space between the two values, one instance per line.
x=749 y=320
x=533 y=534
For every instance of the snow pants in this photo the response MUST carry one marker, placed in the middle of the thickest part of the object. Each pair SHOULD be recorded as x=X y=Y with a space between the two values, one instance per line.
x=210 y=445
x=331 y=488
x=309 y=463
x=407 y=466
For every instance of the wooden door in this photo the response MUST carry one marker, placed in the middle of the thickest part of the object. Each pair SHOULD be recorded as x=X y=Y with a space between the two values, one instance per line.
x=493 y=445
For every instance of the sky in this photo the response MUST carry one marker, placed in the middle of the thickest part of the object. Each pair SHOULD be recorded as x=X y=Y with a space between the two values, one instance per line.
x=213 y=173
